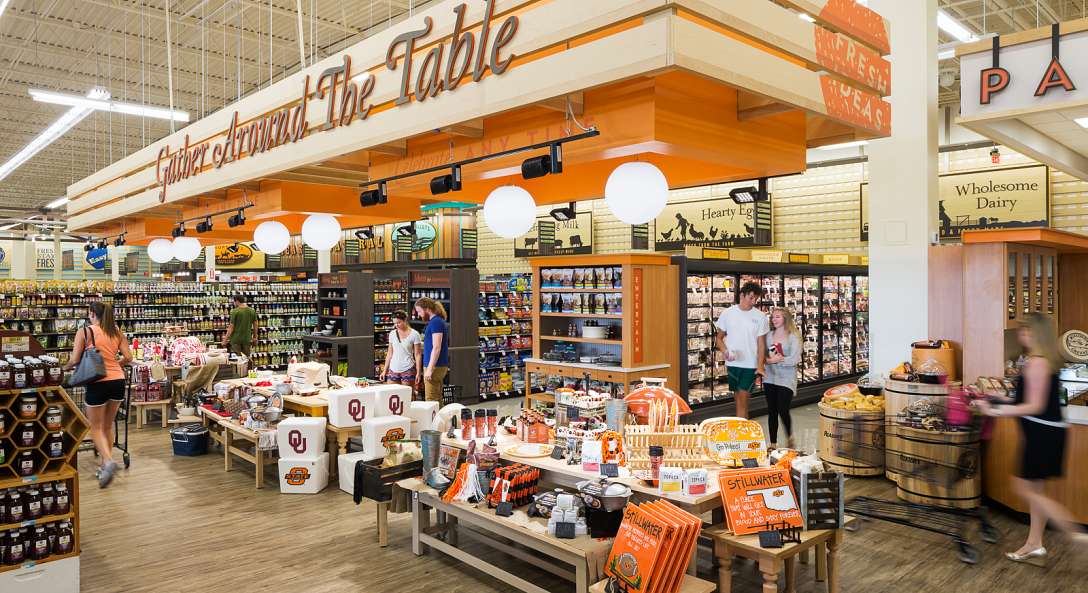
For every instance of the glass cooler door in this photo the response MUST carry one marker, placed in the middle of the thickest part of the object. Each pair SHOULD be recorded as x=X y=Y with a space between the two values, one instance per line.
x=700 y=338
x=861 y=324
x=810 y=330
x=846 y=324
x=831 y=319
x=723 y=296
x=794 y=300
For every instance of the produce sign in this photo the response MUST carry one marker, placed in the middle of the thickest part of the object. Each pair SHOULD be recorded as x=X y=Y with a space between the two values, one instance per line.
x=759 y=500
x=653 y=547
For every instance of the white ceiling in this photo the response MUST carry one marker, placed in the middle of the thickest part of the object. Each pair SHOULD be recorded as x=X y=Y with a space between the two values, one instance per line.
x=224 y=49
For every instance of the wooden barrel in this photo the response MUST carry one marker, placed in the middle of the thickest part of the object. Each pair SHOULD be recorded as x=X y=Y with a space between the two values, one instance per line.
x=935 y=467
x=900 y=394
x=852 y=441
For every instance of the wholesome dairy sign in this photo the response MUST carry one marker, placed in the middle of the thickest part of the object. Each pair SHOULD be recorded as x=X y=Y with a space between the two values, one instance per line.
x=441 y=69
x=993 y=199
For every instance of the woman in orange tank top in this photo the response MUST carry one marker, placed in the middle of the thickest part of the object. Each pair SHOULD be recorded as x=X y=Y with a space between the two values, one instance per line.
x=104 y=396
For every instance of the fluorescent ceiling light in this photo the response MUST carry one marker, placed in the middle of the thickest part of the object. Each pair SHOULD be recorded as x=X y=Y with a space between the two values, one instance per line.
x=8 y=227
x=946 y=54
x=57 y=203
x=804 y=16
x=853 y=144
x=954 y=28
x=57 y=129
x=1082 y=122
x=3 y=5
x=104 y=104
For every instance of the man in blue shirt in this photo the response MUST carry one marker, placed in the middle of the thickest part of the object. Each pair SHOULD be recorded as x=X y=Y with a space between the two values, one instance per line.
x=436 y=347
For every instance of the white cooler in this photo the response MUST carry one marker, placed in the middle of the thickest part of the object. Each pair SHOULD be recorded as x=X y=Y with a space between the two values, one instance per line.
x=301 y=438
x=393 y=399
x=59 y=576
x=304 y=476
x=377 y=431
x=422 y=415
x=345 y=465
x=348 y=407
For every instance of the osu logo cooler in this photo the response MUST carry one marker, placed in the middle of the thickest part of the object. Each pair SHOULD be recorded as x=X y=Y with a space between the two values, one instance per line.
x=304 y=476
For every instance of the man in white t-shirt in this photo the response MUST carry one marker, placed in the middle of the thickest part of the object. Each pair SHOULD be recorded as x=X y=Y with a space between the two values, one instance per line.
x=745 y=328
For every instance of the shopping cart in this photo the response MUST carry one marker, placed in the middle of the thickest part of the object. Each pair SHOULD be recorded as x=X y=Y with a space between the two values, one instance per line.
x=944 y=461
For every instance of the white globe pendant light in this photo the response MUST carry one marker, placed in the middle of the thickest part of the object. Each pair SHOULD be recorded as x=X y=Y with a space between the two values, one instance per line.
x=636 y=192
x=321 y=231
x=271 y=237
x=160 y=250
x=509 y=211
x=186 y=248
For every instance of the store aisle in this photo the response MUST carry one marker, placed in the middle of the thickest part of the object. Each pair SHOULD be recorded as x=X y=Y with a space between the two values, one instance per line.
x=175 y=523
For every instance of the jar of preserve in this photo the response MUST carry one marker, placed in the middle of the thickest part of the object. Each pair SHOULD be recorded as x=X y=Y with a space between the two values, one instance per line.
x=36 y=369
x=49 y=499
x=16 y=553
x=2 y=426
x=28 y=405
x=25 y=436
x=3 y=510
x=33 y=504
x=24 y=463
x=54 y=372
x=5 y=375
x=63 y=505
x=65 y=538
x=39 y=543
x=54 y=418
x=18 y=376
x=3 y=452
x=16 y=507
x=54 y=445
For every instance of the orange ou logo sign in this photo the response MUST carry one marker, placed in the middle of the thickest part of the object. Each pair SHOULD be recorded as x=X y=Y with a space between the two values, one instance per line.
x=393 y=434
x=297 y=476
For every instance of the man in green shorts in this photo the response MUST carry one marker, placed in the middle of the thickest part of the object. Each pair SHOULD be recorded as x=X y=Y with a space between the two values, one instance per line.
x=746 y=328
x=243 y=327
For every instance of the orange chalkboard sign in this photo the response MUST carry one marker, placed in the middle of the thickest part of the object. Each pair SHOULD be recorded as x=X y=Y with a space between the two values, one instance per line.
x=759 y=500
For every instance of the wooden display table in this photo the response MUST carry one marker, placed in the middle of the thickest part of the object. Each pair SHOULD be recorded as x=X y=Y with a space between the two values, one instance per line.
x=315 y=406
x=690 y=584
x=556 y=472
x=772 y=561
x=142 y=408
x=584 y=554
x=230 y=432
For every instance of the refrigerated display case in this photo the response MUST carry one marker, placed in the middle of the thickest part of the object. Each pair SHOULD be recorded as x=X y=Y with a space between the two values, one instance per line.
x=829 y=304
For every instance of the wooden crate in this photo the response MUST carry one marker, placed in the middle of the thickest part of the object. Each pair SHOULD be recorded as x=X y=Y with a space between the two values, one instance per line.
x=821 y=497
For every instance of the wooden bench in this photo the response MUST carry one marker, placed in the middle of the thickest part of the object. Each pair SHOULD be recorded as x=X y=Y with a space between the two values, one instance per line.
x=141 y=409
x=557 y=556
x=773 y=561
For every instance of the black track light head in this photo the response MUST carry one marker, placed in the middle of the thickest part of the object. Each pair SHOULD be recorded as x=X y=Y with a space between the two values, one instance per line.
x=178 y=231
x=373 y=197
x=237 y=220
x=87 y=246
x=204 y=226
x=750 y=194
x=408 y=230
x=564 y=213
x=446 y=183
x=365 y=234
x=548 y=164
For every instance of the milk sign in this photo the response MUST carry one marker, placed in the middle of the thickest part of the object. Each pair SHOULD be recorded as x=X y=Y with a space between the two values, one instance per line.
x=96 y=258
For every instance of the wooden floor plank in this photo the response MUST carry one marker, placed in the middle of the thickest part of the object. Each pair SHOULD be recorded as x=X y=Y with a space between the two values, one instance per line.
x=183 y=524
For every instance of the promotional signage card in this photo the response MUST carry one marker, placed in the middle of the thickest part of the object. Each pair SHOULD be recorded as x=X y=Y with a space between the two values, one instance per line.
x=759 y=500
x=653 y=547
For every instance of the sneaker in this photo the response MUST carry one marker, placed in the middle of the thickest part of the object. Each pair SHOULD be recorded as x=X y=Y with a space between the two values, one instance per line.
x=105 y=474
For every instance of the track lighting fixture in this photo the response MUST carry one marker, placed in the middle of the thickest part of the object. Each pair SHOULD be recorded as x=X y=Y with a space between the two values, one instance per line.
x=179 y=231
x=564 y=213
x=750 y=194
x=237 y=220
x=119 y=241
x=365 y=234
x=446 y=183
x=205 y=226
x=408 y=230
x=373 y=197
x=88 y=246
x=548 y=164
x=101 y=244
